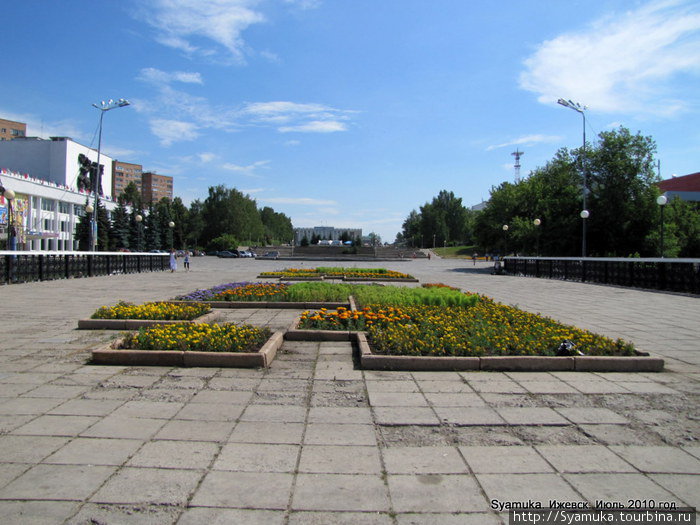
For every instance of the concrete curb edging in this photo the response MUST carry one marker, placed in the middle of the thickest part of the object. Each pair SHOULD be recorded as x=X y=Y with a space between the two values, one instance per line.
x=370 y=361
x=135 y=324
x=268 y=304
x=109 y=355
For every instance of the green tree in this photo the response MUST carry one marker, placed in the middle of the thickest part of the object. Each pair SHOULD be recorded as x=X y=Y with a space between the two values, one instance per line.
x=119 y=232
x=131 y=196
x=152 y=233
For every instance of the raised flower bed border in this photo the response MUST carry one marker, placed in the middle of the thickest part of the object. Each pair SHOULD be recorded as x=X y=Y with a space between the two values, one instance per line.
x=110 y=354
x=135 y=324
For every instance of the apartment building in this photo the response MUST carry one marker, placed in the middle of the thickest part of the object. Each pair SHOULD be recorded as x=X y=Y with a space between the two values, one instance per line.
x=124 y=173
x=154 y=187
x=9 y=129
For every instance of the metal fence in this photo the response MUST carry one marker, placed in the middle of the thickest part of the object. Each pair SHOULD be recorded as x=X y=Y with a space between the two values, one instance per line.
x=23 y=267
x=676 y=275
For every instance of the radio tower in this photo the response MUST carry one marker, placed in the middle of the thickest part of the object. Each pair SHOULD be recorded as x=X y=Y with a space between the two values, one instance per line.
x=517 y=154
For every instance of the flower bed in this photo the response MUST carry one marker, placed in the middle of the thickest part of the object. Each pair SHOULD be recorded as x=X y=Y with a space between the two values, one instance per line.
x=240 y=291
x=347 y=274
x=128 y=316
x=485 y=328
x=160 y=311
x=193 y=345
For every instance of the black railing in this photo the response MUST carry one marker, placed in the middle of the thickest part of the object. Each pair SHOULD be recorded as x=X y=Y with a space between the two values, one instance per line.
x=24 y=267
x=675 y=275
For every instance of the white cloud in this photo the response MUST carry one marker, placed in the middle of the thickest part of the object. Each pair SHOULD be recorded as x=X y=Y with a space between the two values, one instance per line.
x=297 y=117
x=249 y=170
x=527 y=140
x=157 y=76
x=169 y=131
x=193 y=25
x=206 y=157
x=38 y=127
x=623 y=62
x=315 y=126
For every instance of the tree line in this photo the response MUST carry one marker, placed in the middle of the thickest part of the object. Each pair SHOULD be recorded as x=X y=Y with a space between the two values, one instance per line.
x=540 y=215
x=222 y=221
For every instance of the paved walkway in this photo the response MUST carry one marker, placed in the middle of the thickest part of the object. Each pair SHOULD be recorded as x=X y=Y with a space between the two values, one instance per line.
x=315 y=440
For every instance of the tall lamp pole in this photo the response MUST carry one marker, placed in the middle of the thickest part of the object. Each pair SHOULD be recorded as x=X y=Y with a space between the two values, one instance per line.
x=584 y=212
x=9 y=197
x=661 y=200
x=103 y=107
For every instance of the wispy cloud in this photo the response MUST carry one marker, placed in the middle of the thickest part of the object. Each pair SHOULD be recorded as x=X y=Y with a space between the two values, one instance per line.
x=38 y=127
x=315 y=126
x=623 y=62
x=297 y=117
x=527 y=140
x=170 y=131
x=173 y=104
x=249 y=170
x=202 y=28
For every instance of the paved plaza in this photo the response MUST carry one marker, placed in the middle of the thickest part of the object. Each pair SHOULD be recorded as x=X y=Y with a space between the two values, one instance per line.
x=314 y=439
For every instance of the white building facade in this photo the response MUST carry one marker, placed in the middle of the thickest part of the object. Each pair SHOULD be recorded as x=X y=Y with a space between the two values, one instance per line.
x=325 y=233
x=44 y=177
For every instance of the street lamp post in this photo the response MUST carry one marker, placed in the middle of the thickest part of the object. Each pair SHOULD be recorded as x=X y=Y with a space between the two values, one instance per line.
x=171 y=225
x=138 y=220
x=9 y=197
x=582 y=110
x=103 y=107
x=661 y=200
x=537 y=223
x=505 y=240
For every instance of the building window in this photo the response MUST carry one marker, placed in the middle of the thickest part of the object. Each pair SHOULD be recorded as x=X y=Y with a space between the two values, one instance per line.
x=63 y=207
x=47 y=204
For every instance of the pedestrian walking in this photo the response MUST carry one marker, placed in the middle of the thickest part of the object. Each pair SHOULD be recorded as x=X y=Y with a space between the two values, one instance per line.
x=186 y=261
x=173 y=261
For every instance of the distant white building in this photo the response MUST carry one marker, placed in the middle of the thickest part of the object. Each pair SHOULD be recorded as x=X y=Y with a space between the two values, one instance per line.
x=49 y=198
x=325 y=233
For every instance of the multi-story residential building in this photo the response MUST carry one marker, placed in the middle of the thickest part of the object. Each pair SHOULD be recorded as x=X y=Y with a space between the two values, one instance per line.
x=326 y=233
x=124 y=173
x=9 y=129
x=154 y=187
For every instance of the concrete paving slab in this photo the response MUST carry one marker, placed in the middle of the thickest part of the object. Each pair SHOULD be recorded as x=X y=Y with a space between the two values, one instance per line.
x=504 y=459
x=149 y=485
x=446 y=493
x=95 y=451
x=174 y=454
x=57 y=482
x=423 y=460
x=206 y=516
x=340 y=492
x=334 y=459
x=254 y=457
x=658 y=458
x=37 y=512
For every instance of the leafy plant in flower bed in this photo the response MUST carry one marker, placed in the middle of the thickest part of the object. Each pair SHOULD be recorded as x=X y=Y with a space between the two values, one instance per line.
x=159 y=311
x=202 y=337
x=485 y=328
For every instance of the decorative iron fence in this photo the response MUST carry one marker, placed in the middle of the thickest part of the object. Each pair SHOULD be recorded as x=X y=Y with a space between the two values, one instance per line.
x=23 y=267
x=675 y=275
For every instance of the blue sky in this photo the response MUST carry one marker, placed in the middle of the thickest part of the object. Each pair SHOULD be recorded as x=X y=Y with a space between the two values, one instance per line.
x=351 y=113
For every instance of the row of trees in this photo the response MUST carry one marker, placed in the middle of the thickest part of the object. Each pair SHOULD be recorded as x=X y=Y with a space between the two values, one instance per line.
x=624 y=217
x=224 y=219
